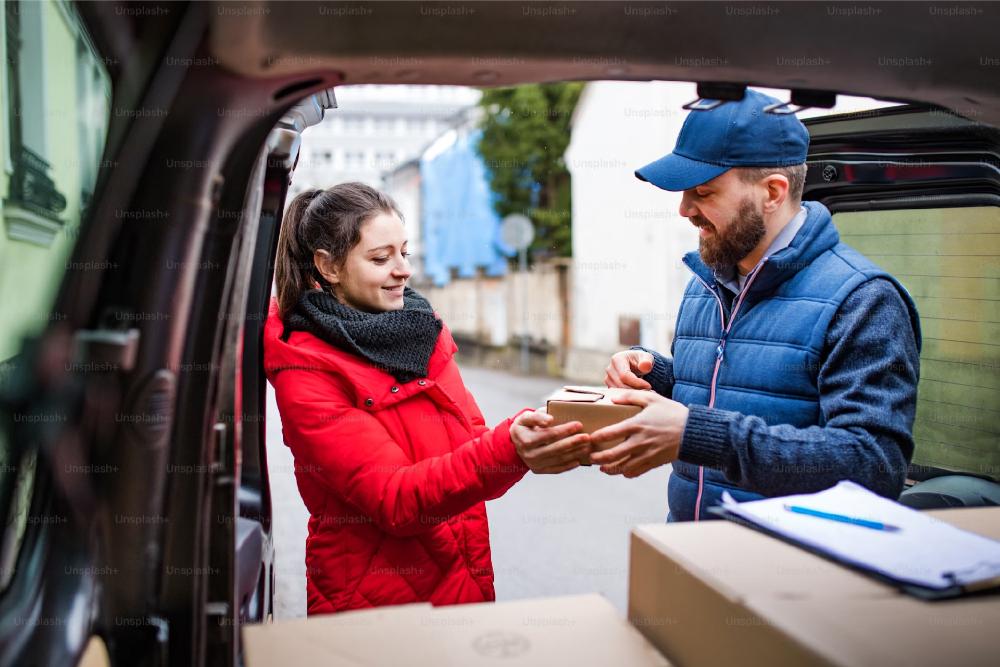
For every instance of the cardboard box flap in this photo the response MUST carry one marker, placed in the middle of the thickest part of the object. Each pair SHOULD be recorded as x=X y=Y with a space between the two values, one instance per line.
x=579 y=630
x=776 y=569
x=983 y=521
x=577 y=395
x=581 y=394
x=779 y=569
x=334 y=639
x=581 y=389
x=569 y=630
x=719 y=593
x=891 y=631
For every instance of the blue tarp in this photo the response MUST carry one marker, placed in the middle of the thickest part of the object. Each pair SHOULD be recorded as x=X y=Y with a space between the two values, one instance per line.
x=460 y=228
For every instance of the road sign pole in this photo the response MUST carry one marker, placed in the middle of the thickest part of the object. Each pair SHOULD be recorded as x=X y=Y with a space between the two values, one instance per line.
x=517 y=232
x=525 y=353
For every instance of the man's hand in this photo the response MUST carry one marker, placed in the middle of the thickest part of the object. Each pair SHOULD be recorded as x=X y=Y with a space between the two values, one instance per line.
x=652 y=437
x=625 y=368
x=548 y=449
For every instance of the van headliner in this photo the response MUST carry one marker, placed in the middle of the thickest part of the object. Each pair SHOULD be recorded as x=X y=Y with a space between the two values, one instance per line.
x=943 y=54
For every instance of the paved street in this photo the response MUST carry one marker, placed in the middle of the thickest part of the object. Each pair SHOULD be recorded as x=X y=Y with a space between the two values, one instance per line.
x=289 y=522
x=551 y=534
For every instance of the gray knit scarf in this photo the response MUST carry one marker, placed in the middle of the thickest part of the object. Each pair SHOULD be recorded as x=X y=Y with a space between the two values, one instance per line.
x=399 y=342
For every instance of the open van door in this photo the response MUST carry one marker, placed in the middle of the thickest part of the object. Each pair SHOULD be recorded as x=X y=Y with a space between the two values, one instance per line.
x=241 y=564
x=139 y=226
x=917 y=190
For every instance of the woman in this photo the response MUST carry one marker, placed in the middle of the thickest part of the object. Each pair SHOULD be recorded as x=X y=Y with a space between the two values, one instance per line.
x=392 y=457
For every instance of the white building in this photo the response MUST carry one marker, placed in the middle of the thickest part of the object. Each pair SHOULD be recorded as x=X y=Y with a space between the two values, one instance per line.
x=373 y=130
x=403 y=185
x=628 y=237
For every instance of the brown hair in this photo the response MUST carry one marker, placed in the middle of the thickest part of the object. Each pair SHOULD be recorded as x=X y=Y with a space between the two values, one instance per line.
x=328 y=220
x=796 y=175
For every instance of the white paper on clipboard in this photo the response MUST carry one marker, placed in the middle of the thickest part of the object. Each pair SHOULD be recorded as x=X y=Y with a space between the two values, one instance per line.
x=924 y=551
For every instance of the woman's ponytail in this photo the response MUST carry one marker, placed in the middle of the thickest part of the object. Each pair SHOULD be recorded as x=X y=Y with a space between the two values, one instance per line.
x=293 y=266
x=329 y=220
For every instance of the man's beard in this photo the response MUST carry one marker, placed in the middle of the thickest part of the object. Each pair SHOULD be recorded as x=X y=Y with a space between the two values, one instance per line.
x=722 y=250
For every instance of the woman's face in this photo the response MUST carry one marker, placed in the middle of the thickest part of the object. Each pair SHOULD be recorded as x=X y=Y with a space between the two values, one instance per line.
x=375 y=270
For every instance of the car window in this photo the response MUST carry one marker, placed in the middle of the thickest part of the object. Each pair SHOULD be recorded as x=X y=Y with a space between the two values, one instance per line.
x=949 y=261
x=55 y=94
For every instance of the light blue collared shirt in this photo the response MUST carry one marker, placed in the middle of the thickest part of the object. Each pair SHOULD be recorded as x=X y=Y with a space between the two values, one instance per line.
x=734 y=281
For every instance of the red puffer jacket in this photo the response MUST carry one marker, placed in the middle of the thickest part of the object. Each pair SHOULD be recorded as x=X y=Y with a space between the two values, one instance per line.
x=394 y=475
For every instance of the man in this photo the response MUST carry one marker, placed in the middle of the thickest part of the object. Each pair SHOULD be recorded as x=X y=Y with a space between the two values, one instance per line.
x=795 y=359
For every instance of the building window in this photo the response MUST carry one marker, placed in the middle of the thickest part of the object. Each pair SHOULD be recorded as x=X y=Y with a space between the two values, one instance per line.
x=354 y=160
x=384 y=160
x=353 y=125
x=32 y=195
x=92 y=117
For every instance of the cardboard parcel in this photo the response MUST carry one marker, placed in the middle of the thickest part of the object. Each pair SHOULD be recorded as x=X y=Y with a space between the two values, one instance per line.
x=591 y=406
x=717 y=593
x=579 y=630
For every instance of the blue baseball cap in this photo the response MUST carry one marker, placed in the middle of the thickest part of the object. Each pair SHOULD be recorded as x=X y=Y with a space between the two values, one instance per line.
x=734 y=134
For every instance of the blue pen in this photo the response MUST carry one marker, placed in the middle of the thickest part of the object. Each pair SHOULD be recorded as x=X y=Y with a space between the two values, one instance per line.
x=865 y=523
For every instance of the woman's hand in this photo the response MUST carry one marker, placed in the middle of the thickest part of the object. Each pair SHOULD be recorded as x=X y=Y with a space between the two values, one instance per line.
x=547 y=449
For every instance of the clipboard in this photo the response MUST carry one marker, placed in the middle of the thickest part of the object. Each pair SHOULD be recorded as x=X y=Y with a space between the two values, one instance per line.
x=986 y=586
x=920 y=592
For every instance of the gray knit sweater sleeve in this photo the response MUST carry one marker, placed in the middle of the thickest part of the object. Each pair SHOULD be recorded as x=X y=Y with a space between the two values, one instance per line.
x=661 y=378
x=868 y=398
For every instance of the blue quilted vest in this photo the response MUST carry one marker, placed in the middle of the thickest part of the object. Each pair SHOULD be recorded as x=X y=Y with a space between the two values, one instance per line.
x=761 y=354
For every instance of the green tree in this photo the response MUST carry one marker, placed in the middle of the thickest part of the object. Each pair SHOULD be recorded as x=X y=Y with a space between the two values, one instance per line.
x=525 y=133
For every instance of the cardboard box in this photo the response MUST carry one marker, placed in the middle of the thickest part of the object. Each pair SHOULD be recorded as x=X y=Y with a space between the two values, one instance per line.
x=579 y=630
x=591 y=406
x=715 y=593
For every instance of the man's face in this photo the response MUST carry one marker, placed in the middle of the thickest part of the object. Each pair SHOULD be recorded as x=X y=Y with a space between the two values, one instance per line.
x=730 y=222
